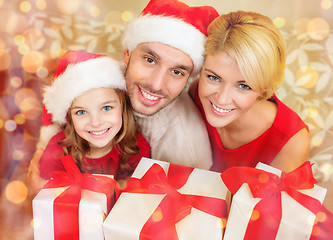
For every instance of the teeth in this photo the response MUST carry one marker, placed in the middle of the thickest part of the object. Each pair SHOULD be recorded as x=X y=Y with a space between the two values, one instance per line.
x=221 y=110
x=99 y=133
x=148 y=96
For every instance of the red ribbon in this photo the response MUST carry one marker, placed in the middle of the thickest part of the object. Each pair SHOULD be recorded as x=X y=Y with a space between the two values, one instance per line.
x=174 y=206
x=268 y=187
x=66 y=205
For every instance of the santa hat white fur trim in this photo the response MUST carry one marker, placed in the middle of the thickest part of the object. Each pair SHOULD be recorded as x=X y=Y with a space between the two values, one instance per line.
x=79 y=78
x=167 y=30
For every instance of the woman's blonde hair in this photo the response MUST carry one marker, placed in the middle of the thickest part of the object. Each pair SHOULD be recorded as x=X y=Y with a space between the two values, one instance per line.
x=125 y=140
x=255 y=43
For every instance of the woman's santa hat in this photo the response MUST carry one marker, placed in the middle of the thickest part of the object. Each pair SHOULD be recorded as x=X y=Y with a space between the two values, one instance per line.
x=173 y=23
x=77 y=73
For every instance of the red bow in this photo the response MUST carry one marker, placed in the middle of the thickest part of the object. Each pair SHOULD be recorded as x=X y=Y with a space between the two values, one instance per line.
x=66 y=205
x=174 y=206
x=268 y=187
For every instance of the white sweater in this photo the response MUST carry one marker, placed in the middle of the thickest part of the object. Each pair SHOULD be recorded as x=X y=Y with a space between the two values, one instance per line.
x=178 y=134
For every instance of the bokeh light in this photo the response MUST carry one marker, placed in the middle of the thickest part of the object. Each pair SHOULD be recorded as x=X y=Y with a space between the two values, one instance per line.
x=41 y=5
x=317 y=141
x=318 y=28
x=28 y=103
x=15 y=23
x=279 y=22
x=255 y=215
x=94 y=11
x=16 y=192
x=34 y=38
x=18 y=155
x=5 y=60
x=327 y=168
x=25 y=6
x=157 y=215
x=113 y=17
x=10 y=125
x=307 y=77
x=301 y=26
x=32 y=61
x=2 y=46
x=127 y=16
x=312 y=112
x=326 y=4
x=1 y=123
x=16 y=82
x=42 y=72
x=19 y=118
x=68 y=7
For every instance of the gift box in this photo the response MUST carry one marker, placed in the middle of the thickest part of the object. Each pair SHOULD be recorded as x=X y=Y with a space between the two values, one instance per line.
x=73 y=205
x=270 y=204
x=169 y=201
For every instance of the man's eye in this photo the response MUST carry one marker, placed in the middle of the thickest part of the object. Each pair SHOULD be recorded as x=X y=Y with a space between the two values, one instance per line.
x=244 y=87
x=213 y=78
x=80 y=112
x=106 y=108
x=150 y=60
x=177 y=72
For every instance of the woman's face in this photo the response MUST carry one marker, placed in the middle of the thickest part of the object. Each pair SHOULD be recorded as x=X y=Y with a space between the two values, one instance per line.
x=225 y=95
x=97 y=117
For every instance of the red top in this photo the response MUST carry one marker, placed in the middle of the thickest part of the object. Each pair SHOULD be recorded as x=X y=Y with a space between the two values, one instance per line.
x=262 y=149
x=108 y=164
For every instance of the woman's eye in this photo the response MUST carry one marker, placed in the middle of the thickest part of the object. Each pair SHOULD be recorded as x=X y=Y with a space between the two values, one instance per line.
x=213 y=78
x=80 y=112
x=244 y=87
x=106 y=108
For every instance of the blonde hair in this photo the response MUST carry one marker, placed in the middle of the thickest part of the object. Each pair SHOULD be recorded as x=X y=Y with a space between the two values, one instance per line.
x=255 y=43
x=125 y=140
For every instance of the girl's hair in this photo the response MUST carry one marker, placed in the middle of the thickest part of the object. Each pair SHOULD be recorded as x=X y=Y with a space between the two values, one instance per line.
x=255 y=43
x=125 y=140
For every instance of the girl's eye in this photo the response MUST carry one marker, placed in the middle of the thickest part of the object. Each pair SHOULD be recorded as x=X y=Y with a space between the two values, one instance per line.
x=80 y=112
x=150 y=60
x=106 y=108
x=244 y=87
x=213 y=78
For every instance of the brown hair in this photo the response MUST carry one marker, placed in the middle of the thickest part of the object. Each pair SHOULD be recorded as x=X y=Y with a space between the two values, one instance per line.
x=125 y=140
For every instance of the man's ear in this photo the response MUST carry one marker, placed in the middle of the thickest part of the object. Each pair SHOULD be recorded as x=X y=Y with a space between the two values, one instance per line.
x=126 y=56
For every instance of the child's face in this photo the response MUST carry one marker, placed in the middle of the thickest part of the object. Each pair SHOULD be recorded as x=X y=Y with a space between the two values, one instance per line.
x=97 y=118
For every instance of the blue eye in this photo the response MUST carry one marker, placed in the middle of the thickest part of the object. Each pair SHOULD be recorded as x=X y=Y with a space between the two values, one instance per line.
x=106 y=108
x=150 y=60
x=80 y=112
x=213 y=78
x=177 y=72
x=244 y=87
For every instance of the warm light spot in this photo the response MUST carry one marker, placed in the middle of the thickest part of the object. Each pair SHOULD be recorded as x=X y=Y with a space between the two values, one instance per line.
x=36 y=223
x=34 y=38
x=95 y=11
x=307 y=77
x=312 y=112
x=16 y=23
x=68 y=7
x=30 y=107
x=19 y=39
x=279 y=22
x=16 y=192
x=263 y=178
x=301 y=26
x=18 y=155
x=113 y=17
x=255 y=215
x=32 y=61
x=16 y=82
x=23 y=49
x=41 y=5
x=51 y=60
x=19 y=118
x=127 y=16
x=25 y=6
x=327 y=168
x=321 y=217
x=317 y=141
x=5 y=61
x=24 y=94
x=157 y=215
x=10 y=125
x=2 y=47
x=42 y=72
x=326 y=4
x=318 y=28
x=1 y=2
x=1 y=123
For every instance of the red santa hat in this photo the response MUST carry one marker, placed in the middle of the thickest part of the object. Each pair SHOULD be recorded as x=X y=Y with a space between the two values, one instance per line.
x=173 y=23
x=76 y=73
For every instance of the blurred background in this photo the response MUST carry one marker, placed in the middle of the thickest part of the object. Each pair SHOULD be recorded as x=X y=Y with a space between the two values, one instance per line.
x=34 y=34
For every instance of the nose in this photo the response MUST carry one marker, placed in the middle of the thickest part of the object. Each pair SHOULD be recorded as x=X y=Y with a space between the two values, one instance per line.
x=224 y=95
x=96 y=120
x=157 y=79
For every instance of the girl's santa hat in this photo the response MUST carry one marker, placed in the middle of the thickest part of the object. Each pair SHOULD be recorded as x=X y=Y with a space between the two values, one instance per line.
x=173 y=23
x=76 y=73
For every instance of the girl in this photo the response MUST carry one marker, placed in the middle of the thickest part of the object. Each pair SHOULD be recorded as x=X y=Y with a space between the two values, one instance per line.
x=247 y=123
x=87 y=100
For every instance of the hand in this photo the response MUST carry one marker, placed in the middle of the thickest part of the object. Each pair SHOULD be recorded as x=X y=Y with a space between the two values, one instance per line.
x=35 y=181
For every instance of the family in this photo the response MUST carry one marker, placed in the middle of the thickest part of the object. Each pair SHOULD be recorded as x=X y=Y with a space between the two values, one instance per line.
x=195 y=88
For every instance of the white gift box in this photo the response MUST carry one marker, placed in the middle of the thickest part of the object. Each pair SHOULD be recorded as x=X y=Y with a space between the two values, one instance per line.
x=296 y=223
x=132 y=210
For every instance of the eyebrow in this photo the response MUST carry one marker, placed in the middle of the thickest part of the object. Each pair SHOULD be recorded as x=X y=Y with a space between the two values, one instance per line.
x=155 y=55
x=104 y=103
x=211 y=71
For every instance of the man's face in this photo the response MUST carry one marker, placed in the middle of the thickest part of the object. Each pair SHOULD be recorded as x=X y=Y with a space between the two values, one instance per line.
x=156 y=74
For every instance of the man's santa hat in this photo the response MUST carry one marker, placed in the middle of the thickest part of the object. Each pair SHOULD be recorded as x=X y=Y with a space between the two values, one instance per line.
x=173 y=23
x=76 y=73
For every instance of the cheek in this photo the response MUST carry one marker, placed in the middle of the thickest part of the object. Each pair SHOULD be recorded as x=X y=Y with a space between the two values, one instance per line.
x=176 y=87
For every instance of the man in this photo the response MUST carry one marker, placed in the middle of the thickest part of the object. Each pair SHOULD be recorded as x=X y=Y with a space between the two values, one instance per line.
x=163 y=49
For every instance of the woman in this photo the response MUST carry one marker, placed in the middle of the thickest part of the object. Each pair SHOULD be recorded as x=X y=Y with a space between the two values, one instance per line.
x=247 y=123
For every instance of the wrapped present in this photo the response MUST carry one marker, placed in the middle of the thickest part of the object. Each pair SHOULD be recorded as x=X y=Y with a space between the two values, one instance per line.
x=73 y=205
x=167 y=202
x=270 y=204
